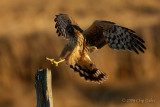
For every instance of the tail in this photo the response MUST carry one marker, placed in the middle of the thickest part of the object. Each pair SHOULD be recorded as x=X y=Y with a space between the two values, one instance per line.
x=88 y=70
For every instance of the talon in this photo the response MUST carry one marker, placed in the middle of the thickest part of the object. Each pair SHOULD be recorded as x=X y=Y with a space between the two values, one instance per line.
x=57 y=62
x=53 y=61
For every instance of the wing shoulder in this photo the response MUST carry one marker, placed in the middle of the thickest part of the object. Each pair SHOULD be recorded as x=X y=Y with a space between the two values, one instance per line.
x=94 y=34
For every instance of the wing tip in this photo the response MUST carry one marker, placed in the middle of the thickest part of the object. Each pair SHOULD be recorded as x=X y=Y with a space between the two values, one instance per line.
x=137 y=37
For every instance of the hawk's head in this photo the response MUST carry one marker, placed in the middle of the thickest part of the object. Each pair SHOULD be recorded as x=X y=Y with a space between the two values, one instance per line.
x=73 y=29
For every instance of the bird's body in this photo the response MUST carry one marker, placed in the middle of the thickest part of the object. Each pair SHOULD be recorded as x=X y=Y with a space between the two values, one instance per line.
x=95 y=37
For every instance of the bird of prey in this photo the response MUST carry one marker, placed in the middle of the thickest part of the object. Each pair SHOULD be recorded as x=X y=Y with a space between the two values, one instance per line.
x=99 y=34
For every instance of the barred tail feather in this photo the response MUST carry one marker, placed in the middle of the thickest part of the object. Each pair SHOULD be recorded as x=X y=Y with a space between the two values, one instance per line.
x=93 y=75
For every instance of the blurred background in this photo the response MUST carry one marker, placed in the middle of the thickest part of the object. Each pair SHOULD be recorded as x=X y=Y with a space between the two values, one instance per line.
x=27 y=36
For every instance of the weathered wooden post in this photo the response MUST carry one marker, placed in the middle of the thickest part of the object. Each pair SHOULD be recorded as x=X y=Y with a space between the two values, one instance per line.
x=43 y=85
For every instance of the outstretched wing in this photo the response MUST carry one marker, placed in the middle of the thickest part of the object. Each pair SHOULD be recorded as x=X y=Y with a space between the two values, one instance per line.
x=117 y=37
x=62 y=20
x=88 y=70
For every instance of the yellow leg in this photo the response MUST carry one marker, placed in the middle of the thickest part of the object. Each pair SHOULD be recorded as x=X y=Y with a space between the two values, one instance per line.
x=53 y=61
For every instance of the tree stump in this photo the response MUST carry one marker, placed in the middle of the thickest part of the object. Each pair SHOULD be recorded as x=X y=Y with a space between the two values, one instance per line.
x=43 y=85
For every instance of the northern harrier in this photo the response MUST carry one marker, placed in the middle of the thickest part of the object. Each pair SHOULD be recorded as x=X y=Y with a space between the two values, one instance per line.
x=95 y=37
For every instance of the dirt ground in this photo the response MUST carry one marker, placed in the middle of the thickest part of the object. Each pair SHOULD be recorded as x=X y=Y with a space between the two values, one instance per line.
x=27 y=36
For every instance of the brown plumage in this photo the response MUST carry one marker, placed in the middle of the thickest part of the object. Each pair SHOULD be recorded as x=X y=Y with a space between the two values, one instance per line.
x=95 y=37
